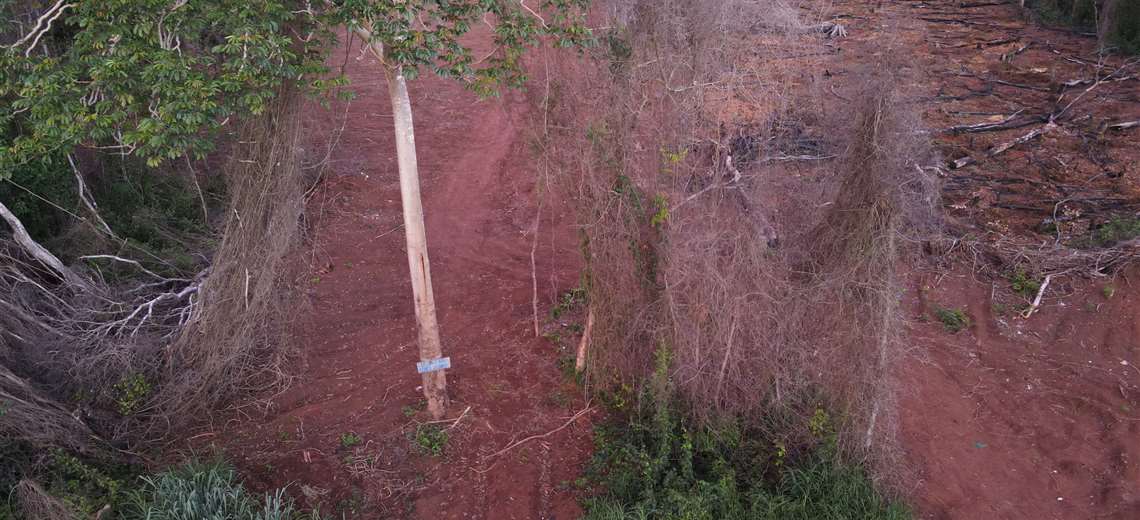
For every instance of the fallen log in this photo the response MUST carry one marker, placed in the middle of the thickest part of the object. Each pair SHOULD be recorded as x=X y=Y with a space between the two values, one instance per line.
x=1008 y=123
x=1001 y=148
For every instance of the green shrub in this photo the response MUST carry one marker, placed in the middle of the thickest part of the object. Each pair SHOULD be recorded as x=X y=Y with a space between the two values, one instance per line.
x=430 y=439
x=1123 y=31
x=1077 y=13
x=1114 y=231
x=1023 y=284
x=209 y=491
x=954 y=320
x=660 y=469
x=130 y=393
x=157 y=212
x=1108 y=291
x=36 y=192
x=568 y=301
x=349 y=439
x=657 y=466
x=81 y=485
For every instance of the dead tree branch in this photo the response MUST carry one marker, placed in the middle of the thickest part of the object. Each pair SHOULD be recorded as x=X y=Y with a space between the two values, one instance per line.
x=40 y=253
x=1000 y=148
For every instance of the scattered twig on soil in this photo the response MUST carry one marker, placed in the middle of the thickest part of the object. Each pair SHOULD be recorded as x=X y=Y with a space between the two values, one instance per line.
x=1007 y=123
x=1020 y=85
x=390 y=231
x=534 y=270
x=1113 y=76
x=1125 y=125
x=969 y=22
x=515 y=444
x=971 y=5
x=454 y=422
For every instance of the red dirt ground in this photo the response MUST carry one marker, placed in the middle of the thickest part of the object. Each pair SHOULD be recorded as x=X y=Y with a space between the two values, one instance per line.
x=1025 y=418
x=1018 y=418
x=1012 y=418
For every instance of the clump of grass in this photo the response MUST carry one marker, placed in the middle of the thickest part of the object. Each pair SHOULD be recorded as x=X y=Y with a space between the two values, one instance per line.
x=201 y=491
x=954 y=320
x=430 y=439
x=350 y=439
x=410 y=410
x=1108 y=291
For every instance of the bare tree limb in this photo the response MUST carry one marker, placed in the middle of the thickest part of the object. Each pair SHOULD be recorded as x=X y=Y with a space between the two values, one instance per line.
x=43 y=25
x=40 y=253
x=126 y=261
x=87 y=202
x=1037 y=301
x=547 y=434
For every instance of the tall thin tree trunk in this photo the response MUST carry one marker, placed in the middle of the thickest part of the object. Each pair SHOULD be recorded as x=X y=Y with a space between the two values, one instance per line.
x=435 y=383
x=1106 y=22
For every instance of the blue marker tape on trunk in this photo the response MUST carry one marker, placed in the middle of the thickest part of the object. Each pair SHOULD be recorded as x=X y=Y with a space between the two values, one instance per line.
x=433 y=364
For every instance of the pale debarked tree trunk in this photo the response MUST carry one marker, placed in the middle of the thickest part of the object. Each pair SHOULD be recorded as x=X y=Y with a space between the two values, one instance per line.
x=427 y=327
x=435 y=383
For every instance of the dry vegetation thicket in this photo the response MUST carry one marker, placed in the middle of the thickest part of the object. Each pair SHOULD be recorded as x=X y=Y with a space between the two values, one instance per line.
x=102 y=366
x=738 y=231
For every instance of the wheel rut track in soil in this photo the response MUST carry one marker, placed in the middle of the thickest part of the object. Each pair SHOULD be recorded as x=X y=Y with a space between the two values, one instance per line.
x=358 y=337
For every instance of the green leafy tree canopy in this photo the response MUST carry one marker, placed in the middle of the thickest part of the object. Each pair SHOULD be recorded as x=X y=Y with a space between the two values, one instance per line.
x=145 y=77
x=419 y=34
x=157 y=78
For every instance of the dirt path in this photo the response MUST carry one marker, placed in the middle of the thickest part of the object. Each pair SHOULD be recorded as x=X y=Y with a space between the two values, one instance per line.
x=359 y=337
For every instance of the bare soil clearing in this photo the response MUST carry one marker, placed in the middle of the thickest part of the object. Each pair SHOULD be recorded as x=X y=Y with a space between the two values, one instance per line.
x=1019 y=418
x=1012 y=418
